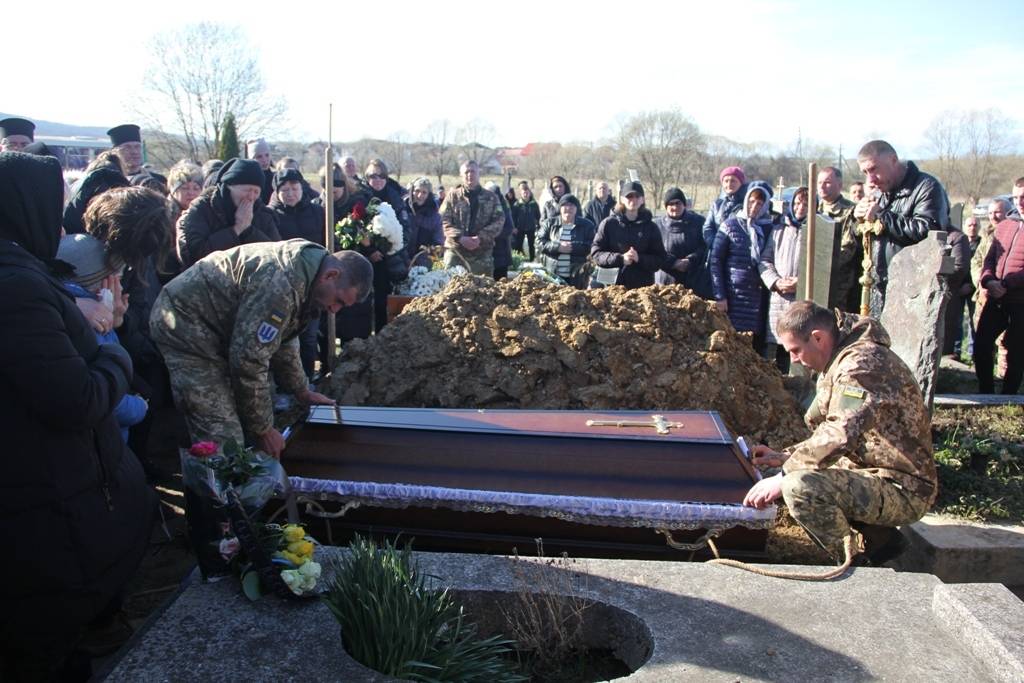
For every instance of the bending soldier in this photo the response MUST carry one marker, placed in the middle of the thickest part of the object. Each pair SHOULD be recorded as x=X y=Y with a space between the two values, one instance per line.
x=868 y=465
x=232 y=318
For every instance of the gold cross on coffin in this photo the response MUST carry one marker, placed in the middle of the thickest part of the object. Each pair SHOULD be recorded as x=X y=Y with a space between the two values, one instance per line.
x=660 y=424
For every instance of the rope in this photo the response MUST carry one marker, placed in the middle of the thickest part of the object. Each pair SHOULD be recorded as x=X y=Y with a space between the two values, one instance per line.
x=848 y=549
x=691 y=547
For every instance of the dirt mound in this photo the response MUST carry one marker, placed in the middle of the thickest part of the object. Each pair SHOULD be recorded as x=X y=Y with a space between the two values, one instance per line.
x=527 y=344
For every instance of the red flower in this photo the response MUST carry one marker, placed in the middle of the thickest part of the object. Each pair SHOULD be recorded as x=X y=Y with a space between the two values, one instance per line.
x=359 y=211
x=203 y=449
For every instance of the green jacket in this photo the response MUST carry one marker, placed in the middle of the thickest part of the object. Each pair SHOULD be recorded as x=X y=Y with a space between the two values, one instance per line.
x=245 y=305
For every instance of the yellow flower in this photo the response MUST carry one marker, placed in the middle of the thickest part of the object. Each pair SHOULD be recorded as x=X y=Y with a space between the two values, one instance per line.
x=294 y=532
x=303 y=548
x=291 y=557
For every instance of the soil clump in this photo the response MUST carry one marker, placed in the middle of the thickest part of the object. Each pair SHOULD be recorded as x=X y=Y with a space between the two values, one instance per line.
x=525 y=343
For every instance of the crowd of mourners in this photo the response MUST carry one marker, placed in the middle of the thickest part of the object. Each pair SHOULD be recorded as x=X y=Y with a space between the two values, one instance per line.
x=81 y=268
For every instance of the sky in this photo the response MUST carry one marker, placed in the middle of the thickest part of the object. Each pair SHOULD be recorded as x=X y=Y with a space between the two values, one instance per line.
x=831 y=73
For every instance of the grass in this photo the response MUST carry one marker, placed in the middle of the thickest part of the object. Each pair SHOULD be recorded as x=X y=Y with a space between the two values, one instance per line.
x=393 y=622
x=980 y=458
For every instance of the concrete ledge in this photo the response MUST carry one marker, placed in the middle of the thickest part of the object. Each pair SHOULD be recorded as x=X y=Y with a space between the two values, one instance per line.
x=963 y=552
x=707 y=623
x=987 y=618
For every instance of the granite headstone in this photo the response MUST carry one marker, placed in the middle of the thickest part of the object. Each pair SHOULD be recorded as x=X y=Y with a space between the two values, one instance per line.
x=915 y=307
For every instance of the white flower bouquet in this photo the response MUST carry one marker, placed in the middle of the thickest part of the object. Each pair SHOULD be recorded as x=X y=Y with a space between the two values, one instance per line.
x=385 y=224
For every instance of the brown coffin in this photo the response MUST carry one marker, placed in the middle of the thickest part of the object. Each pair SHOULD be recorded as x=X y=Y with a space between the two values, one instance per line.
x=543 y=453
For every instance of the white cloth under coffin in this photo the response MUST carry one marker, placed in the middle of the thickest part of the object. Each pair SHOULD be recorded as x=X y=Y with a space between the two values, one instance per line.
x=578 y=509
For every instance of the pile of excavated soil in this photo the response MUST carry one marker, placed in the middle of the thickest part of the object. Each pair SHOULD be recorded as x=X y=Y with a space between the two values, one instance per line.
x=528 y=344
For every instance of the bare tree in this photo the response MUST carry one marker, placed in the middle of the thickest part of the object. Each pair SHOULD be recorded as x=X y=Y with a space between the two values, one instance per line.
x=442 y=152
x=197 y=75
x=542 y=161
x=944 y=139
x=968 y=146
x=396 y=153
x=476 y=139
x=663 y=145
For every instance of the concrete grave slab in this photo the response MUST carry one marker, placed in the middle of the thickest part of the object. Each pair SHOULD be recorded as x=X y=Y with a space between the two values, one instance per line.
x=706 y=623
x=957 y=551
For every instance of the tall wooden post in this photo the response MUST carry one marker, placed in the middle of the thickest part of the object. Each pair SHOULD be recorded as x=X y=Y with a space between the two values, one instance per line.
x=332 y=338
x=812 y=191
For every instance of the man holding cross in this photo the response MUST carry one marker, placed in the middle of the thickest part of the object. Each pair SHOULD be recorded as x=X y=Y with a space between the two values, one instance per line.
x=868 y=465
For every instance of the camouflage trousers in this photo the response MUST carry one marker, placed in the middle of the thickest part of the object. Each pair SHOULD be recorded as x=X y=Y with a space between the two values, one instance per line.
x=824 y=502
x=203 y=393
x=480 y=262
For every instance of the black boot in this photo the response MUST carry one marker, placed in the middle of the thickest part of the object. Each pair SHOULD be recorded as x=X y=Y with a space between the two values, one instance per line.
x=881 y=543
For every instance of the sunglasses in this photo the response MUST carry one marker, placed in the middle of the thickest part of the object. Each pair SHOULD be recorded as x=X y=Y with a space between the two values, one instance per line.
x=377 y=176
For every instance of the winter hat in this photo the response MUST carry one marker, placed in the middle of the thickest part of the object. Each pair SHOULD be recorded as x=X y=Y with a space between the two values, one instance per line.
x=240 y=172
x=631 y=186
x=674 y=194
x=289 y=175
x=569 y=199
x=88 y=256
x=734 y=171
x=127 y=132
x=40 y=149
x=15 y=126
x=254 y=147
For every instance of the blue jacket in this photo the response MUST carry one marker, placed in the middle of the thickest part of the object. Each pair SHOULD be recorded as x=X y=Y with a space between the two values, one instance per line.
x=426 y=225
x=131 y=410
x=502 y=252
x=733 y=264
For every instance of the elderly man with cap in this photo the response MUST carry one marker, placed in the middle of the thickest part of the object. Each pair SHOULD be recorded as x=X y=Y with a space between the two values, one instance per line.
x=227 y=214
x=629 y=240
x=259 y=151
x=681 y=233
x=16 y=134
x=231 y=319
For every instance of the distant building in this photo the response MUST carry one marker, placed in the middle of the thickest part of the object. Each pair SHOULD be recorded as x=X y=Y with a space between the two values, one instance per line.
x=74 y=152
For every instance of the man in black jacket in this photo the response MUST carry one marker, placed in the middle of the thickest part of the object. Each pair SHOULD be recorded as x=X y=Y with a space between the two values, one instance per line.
x=909 y=203
x=598 y=208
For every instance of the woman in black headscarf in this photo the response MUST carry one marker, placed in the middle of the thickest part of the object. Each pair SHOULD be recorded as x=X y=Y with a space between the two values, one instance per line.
x=75 y=511
x=226 y=215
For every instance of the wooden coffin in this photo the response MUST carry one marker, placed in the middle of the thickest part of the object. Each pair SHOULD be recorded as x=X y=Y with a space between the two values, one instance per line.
x=494 y=480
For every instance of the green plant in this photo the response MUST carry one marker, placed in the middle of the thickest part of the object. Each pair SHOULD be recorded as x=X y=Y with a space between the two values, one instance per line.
x=393 y=622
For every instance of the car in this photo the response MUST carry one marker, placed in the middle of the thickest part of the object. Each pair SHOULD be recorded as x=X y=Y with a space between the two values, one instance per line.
x=981 y=208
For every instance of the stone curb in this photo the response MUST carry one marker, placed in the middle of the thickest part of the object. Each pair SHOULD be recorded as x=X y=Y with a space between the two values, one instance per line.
x=987 y=619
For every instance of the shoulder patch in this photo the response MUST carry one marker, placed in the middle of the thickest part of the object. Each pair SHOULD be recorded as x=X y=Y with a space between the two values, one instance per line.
x=266 y=332
x=851 y=397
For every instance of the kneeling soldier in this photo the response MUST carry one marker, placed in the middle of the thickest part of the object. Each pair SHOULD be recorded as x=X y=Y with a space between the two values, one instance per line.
x=869 y=463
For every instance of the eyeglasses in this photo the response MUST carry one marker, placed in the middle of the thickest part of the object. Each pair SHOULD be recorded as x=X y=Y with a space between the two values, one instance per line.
x=632 y=195
x=377 y=176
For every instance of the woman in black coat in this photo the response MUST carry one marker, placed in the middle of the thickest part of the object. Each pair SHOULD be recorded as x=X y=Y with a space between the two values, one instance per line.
x=629 y=240
x=75 y=511
x=682 y=235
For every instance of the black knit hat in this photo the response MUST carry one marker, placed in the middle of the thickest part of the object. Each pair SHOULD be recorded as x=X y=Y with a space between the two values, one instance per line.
x=127 y=132
x=288 y=175
x=240 y=172
x=15 y=126
x=631 y=186
x=674 y=194
x=569 y=199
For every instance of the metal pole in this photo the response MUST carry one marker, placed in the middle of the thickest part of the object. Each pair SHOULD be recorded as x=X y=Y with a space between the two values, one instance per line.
x=812 y=175
x=332 y=338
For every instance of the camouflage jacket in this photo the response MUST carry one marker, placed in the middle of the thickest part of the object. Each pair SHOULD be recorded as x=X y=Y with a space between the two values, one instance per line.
x=245 y=305
x=868 y=413
x=490 y=219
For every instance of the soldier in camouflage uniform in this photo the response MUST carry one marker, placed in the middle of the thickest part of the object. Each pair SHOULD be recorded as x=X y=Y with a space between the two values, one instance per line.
x=869 y=462
x=472 y=218
x=840 y=209
x=228 y=321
